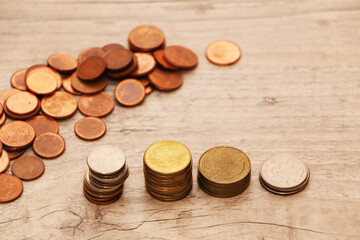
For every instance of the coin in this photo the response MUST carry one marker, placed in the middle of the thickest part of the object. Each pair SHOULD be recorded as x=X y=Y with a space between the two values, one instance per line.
x=62 y=62
x=166 y=80
x=96 y=105
x=146 y=38
x=146 y=63
x=17 y=134
x=49 y=145
x=223 y=52
x=18 y=79
x=45 y=68
x=21 y=116
x=181 y=57
x=129 y=92
x=11 y=188
x=22 y=103
x=125 y=72
x=112 y=46
x=1 y=110
x=106 y=160
x=88 y=87
x=6 y=93
x=15 y=154
x=42 y=124
x=2 y=119
x=28 y=167
x=90 y=128
x=144 y=81
x=66 y=83
x=159 y=56
x=41 y=80
x=59 y=105
x=148 y=90
x=4 y=161
x=95 y=51
x=118 y=59
x=91 y=68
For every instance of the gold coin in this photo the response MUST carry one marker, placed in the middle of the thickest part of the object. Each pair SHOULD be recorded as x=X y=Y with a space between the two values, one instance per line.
x=223 y=52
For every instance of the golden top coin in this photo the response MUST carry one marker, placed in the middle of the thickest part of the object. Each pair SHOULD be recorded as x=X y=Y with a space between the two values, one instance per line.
x=22 y=103
x=283 y=171
x=146 y=38
x=224 y=165
x=62 y=62
x=41 y=80
x=106 y=160
x=59 y=105
x=17 y=134
x=223 y=52
x=49 y=145
x=18 y=79
x=4 y=161
x=167 y=157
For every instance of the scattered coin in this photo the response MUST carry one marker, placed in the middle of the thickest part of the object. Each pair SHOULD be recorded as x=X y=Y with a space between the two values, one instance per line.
x=11 y=188
x=43 y=124
x=18 y=80
x=62 y=62
x=15 y=154
x=22 y=103
x=4 y=161
x=6 y=93
x=96 y=105
x=90 y=128
x=112 y=46
x=166 y=80
x=129 y=92
x=91 y=68
x=66 y=83
x=95 y=51
x=118 y=59
x=59 y=105
x=181 y=57
x=88 y=87
x=159 y=56
x=17 y=134
x=49 y=145
x=146 y=38
x=223 y=52
x=125 y=72
x=28 y=167
x=146 y=63
x=42 y=80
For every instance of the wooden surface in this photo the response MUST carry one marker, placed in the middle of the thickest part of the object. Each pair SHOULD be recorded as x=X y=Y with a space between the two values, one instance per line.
x=295 y=90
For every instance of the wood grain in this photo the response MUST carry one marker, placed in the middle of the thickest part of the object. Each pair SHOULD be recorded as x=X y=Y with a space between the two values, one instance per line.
x=295 y=90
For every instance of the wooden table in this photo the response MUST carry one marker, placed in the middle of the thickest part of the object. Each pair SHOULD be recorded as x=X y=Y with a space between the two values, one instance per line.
x=296 y=89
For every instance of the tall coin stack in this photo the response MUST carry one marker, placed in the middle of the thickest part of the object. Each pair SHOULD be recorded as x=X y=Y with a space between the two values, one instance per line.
x=168 y=170
x=105 y=177
x=224 y=171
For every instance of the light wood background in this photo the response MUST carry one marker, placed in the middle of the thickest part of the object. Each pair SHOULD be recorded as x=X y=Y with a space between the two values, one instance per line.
x=296 y=89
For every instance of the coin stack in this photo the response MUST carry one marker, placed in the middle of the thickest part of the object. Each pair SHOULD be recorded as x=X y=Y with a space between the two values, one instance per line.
x=168 y=170
x=284 y=174
x=107 y=171
x=224 y=171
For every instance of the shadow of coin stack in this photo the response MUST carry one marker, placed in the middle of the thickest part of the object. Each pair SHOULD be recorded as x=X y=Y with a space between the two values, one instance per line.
x=105 y=177
x=168 y=170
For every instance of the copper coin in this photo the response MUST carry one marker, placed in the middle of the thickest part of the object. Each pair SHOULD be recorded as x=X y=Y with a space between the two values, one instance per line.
x=6 y=93
x=91 y=68
x=97 y=105
x=66 y=83
x=181 y=57
x=146 y=38
x=18 y=79
x=22 y=103
x=62 y=62
x=4 y=161
x=118 y=59
x=49 y=145
x=88 y=87
x=41 y=81
x=15 y=154
x=144 y=81
x=95 y=51
x=43 y=124
x=45 y=68
x=21 y=116
x=223 y=52
x=90 y=128
x=146 y=63
x=17 y=134
x=1 y=110
x=159 y=56
x=129 y=92
x=28 y=167
x=166 y=80
x=148 y=90
x=112 y=46
x=60 y=105
x=2 y=119
x=126 y=72
x=11 y=188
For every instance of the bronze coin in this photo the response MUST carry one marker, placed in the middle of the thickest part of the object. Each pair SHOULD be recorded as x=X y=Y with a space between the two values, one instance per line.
x=66 y=83
x=129 y=92
x=88 y=87
x=28 y=167
x=18 y=79
x=15 y=154
x=43 y=124
x=223 y=52
x=148 y=90
x=41 y=80
x=144 y=81
x=96 y=105
x=146 y=38
x=181 y=57
x=45 y=68
x=118 y=59
x=60 y=105
x=159 y=56
x=11 y=188
x=6 y=93
x=146 y=63
x=95 y=51
x=4 y=161
x=17 y=134
x=112 y=46
x=21 y=116
x=49 y=145
x=62 y=62
x=22 y=103
x=2 y=119
x=166 y=80
x=126 y=72
x=90 y=128
x=91 y=68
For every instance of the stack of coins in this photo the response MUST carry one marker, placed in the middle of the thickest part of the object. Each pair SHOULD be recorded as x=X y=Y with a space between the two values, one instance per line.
x=168 y=170
x=284 y=174
x=224 y=171
x=105 y=177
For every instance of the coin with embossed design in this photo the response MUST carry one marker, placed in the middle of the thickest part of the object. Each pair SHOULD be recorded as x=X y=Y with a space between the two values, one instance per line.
x=96 y=105
x=11 y=188
x=17 y=134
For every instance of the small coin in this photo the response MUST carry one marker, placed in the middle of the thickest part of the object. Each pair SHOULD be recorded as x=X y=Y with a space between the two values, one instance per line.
x=22 y=103
x=28 y=167
x=59 y=105
x=95 y=51
x=18 y=80
x=11 y=188
x=223 y=52
x=146 y=63
x=42 y=124
x=129 y=92
x=88 y=87
x=6 y=93
x=17 y=134
x=90 y=128
x=42 y=80
x=62 y=62
x=112 y=46
x=146 y=38
x=49 y=145
x=125 y=72
x=21 y=116
x=181 y=57
x=2 y=119
x=166 y=80
x=118 y=59
x=96 y=105
x=4 y=161
x=148 y=90
x=66 y=83
x=91 y=68
x=45 y=68
x=159 y=56
x=15 y=154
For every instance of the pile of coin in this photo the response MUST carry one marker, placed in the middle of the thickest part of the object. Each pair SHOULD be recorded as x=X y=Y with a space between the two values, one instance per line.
x=224 y=171
x=168 y=170
x=284 y=174
x=107 y=171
